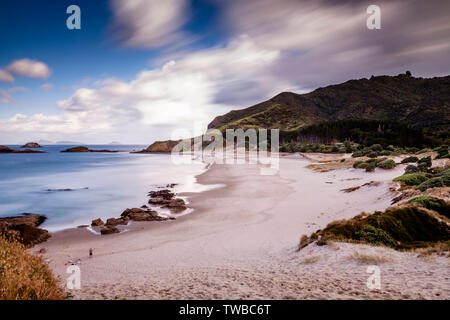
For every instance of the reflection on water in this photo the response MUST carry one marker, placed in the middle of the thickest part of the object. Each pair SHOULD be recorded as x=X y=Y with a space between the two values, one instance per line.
x=73 y=188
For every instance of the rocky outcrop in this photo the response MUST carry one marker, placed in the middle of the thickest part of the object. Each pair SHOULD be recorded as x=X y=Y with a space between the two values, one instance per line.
x=24 y=229
x=4 y=149
x=160 y=147
x=109 y=230
x=97 y=222
x=166 y=199
x=31 y=145
x=115 y=222
x=137 y=214
x=85 y=149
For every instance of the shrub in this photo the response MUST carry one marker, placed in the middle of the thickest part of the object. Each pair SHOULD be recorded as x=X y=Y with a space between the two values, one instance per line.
x=357 y=154
x=435 y=182
x=412 y=179
x=386 y=164
x=376 y=147
x=410 y=159
x=374 y=235
x=411 y=169
x=25 y=277
x=426 y=160
x=363 y=165
x=372 y=154
x=442 y=152
x=370 y=167
x=385 y=153
x=432 y=203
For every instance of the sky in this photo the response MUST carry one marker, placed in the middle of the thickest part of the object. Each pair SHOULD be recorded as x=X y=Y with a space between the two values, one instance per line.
x=144 y=70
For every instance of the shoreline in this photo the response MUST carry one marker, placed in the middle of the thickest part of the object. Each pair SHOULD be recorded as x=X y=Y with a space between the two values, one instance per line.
x=240 y=243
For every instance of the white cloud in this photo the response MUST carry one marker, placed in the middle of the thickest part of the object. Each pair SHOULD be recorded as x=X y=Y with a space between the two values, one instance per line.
x=149 y=23
x=5 y=76
x=29 y=68
x=46 y=87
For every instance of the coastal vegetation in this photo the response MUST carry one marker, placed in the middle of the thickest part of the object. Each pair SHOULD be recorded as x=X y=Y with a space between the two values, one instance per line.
x=405 y=227
x=24 y=276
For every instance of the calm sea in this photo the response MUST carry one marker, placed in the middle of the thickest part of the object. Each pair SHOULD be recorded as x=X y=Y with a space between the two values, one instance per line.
x=101 y=184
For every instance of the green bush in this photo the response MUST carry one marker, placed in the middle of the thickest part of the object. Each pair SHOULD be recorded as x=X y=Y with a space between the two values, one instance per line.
x=410 y=159
x=363 y=165
x=357 y=163
x=432 y=203
x=374 y=235
x=412 y=179
x=385 y=153
x=410 y=168
x=376 y=147
x=435 y=182
x=426 y=160
x=386 y=164
x=442 y=152
x=357 y=154
x=372 y=154
x=370 y=167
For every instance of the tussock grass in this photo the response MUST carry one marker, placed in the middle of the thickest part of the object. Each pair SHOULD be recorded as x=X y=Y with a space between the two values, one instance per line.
x=368 y=258
x=25 y=277
x=310 y=260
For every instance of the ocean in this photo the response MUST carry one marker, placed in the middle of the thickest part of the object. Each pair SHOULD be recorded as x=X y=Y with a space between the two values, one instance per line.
x=71 y=189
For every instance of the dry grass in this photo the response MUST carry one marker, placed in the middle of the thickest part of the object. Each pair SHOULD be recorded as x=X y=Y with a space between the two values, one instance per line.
x=439 y=249
x=309 y=260
x=368 y=258
x=25 y=277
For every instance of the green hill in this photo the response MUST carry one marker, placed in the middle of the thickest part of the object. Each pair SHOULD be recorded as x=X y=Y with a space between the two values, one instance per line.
x=419 y=103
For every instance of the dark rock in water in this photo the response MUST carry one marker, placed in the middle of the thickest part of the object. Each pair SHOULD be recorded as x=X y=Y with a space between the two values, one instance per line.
x=144 y=207
x=4 y=149
x=65 y=190
x=97 y=222
x=165 y=194
x=85 y=149
x=137 y=214
x=83 y=226
x=109 y=230
x=31 y=145
x=24 y=229
x=176 y=205
x=115 y=222
x=158 y=201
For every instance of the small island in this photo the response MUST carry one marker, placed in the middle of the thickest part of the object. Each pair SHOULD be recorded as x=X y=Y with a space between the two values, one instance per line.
x=160 y=147
x=31 y=145
x=4 y=149
x=85 y=149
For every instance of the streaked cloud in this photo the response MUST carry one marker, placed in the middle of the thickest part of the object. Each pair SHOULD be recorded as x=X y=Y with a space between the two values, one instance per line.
x=149 y=23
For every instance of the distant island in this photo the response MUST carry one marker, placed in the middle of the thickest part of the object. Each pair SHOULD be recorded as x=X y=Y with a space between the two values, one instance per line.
x=4 y=149
x=85 y=149
x=31 y=145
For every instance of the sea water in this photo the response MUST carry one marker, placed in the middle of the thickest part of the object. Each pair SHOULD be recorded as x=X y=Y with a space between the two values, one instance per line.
x=71 y=189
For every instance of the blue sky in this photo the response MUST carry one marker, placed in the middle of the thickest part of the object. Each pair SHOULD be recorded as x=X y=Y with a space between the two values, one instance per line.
x=140 y=70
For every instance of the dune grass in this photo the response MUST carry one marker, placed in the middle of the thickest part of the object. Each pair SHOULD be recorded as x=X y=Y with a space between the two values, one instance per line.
x=25 y=277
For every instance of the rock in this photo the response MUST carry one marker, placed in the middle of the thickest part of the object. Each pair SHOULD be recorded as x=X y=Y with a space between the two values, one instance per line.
x=176 y=205
x=83 y=226
x=97 y=222
x=31 y=145
x=4 y=149
x=165 y=194
x=109 y=230
x=159 y=201
x=137 y=214
x=115 y=222
x=24 y=229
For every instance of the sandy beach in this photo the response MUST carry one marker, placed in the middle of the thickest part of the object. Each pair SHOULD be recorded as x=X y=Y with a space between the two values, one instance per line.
x=240 y=242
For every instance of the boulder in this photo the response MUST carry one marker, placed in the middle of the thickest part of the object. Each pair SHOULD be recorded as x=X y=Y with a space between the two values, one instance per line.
x=97 y=222
x=137 y=214
x=109 y=230
x=165 y=194
x=115 y=222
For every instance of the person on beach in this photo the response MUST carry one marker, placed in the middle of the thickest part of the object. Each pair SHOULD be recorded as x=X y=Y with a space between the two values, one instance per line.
x=91 y=252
